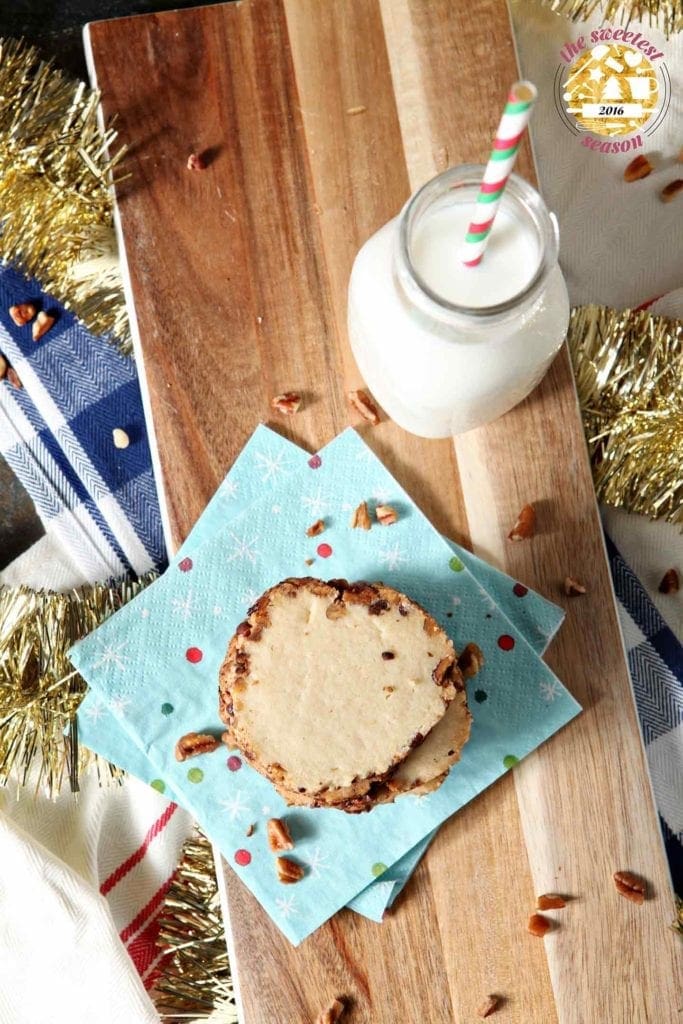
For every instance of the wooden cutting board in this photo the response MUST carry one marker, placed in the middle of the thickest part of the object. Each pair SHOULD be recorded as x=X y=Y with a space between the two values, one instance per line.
x=321 y=118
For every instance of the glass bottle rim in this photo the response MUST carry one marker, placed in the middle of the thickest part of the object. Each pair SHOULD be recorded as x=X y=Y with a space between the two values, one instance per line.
x=525 y=196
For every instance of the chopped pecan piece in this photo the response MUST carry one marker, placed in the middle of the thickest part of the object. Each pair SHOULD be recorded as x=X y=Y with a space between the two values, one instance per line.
x=489 y=1006
x=316 y=528
x=671 y=190
x=194 y=743
x=572 y=587
x=639 y=167
x=3 y=366
x=525 y=525
x=287 y=403
x=471 y=660
x=120 y=438
x=550 y=901
x=385 y=515
x=362 y=403
x=332 y=1013
x=22 y=313
x=288 y=871
x=539 y=925
x=13 y=378
x=442 y=670
x=250 y=830
x=41 y=325
x=630 y=886
x=669 y=583
x=279 y=837
x=335 y=610
x=360 y=520
x=388 y=655
x=196 y=162
x=309 y=561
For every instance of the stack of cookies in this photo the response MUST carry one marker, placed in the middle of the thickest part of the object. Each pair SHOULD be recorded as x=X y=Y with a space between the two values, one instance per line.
x=343 y=694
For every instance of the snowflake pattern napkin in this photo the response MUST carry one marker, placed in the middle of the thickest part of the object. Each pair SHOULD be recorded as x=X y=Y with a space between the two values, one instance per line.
x=154 y=666
x=262 y=461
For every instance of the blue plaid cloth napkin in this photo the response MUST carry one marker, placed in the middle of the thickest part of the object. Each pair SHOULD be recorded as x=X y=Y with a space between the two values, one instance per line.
x=56 y=433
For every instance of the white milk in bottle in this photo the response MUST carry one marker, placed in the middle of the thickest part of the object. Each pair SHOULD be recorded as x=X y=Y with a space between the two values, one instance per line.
x=445 y=347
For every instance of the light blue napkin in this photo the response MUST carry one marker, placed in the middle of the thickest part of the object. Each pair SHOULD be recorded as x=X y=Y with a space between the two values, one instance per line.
x=535 y=617
x=154 y=665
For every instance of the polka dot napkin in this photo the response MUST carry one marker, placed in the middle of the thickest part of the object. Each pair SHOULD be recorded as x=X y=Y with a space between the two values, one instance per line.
x=153 y=669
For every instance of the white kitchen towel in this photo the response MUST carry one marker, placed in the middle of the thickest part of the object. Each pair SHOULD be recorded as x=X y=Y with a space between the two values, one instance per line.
x=62 y=961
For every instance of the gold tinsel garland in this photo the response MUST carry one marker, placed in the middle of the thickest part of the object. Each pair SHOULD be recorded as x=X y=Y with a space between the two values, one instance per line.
x=666 y=15
x=196 y=976
x=56 y=209
x=629 y=375
x=39 y=689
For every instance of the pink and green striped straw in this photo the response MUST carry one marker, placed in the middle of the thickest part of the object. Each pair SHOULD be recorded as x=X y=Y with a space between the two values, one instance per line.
x=520 y=102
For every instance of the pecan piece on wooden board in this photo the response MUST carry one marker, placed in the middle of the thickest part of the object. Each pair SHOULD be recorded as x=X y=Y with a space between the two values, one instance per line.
x=279 y=837
x=287 y=403
x=288 y=871
x=489 y=1006
x=196 y=162
x=193 y=743
x=525 y=525
x=550 y=901
x=630 y=886
x=360 y=400
x=539 y=925
x=332 y=1013
x=572 y=587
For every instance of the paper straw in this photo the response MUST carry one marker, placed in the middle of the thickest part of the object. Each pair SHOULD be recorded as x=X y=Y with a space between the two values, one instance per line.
x=520 y=102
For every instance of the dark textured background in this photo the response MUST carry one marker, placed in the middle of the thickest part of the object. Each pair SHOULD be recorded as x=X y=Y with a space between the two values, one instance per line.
x=57 y=30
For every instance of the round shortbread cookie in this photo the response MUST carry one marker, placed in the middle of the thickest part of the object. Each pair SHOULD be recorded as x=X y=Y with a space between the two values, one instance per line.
x=327 y=687
x=427 y=766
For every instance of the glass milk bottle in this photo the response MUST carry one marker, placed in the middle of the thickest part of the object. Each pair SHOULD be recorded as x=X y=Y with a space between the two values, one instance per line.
x=445 y=347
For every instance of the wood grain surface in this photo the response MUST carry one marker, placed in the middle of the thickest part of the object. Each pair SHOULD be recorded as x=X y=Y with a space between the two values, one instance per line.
x=238 y=279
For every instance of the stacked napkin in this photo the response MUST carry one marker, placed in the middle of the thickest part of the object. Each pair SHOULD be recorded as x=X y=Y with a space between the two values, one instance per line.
x=153 y=669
